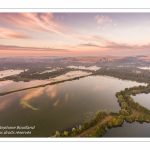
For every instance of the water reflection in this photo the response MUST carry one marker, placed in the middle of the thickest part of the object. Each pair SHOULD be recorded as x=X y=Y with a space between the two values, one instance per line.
x=92 y=68
x=52 y=70
x=33 y=94
x=6 y=73
x=5 y=103
x=62 y=107
x=142 y=99
x=11 y=85
x=51 y=92
x=129 y=130
x=70 y=75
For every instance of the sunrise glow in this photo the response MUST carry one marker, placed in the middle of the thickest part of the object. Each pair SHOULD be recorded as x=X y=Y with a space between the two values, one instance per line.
x=74 y=33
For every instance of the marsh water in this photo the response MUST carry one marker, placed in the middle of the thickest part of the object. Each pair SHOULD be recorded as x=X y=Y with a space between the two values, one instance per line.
x=60 y=107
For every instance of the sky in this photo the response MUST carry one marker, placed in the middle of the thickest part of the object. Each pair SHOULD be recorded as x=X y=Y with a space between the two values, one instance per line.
x=72 y=34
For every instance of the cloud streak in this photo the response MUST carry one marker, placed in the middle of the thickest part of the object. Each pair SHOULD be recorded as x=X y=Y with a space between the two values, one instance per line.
x=12 y=34
x=110 y=45
x=20 y=48
x=43 y=22
x=102 y=19
x=89 y=45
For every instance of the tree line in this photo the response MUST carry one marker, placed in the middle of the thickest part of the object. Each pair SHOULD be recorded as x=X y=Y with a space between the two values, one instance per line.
x=126 y=73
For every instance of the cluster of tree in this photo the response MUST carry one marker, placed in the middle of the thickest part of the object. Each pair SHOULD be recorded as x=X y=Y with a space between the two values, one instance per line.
x=33 y=74
x=115 y=121
x=15 y=78
x=143 y=118
x=125 y=108
x=127 y=102
x=63 y=134
x=86 y=125
x=130 y=119
x=100 y=130
x=127 y=73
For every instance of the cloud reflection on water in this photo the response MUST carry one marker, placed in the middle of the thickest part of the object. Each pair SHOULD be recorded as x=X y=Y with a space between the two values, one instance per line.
x=6 y=103
x=33 y=94
x=51 y=92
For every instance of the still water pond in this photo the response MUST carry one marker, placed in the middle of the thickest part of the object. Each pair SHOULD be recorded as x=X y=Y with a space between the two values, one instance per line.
x=130 y=130
x=143 y=99
x=62 y=106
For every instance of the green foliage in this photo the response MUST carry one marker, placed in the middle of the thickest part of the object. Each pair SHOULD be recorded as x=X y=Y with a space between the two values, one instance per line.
x=120 y=117
x=139 y=118
x=99 y=131
x=114 y=122
x=34 y=73
x=126 y=73
x=147 y=119
x=109 y=124
x=130 y=119
x=101 y=113
x=65 y=133
x=143 y=118
x=57 y=134
x=117 y=94
x=74 y=131
x=124 y=112
x=120 y=99
x=130 y=101
x=117 y=121
x=113 y=114
x=124 y=105
x=134 y=92
x=86 y=125
x=129 y=110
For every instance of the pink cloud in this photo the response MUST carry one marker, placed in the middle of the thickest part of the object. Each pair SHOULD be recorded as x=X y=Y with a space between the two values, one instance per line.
x=11 y=34
x=44 y=22
x=16 y=36
x=101 y=43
